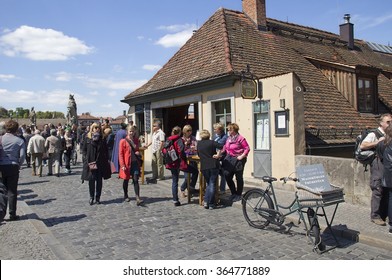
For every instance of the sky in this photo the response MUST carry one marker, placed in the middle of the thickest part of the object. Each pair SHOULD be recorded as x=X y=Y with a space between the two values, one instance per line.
x=101 y=50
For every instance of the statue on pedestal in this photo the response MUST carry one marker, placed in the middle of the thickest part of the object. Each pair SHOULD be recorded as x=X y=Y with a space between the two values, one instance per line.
x=33 y=116
x=72 y=116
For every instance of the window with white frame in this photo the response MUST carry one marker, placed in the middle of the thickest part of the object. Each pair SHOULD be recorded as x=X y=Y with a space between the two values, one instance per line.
x=221 y=112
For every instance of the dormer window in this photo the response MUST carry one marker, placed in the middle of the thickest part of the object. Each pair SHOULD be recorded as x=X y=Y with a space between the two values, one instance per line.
x=366 y=95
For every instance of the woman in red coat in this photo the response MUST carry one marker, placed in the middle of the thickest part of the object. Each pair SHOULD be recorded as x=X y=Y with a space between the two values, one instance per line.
x=128 y=157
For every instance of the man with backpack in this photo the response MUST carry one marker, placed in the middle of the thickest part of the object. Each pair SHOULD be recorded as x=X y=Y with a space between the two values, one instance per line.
x=378 y=202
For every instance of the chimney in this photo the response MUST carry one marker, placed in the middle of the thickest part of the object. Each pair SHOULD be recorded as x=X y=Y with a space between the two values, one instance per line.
x=255 y=9
x=347 y=31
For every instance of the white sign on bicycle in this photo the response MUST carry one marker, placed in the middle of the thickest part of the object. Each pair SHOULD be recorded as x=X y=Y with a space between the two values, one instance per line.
x=314 y=177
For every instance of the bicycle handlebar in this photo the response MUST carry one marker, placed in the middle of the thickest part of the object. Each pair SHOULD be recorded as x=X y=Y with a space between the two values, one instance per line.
x=285 y=179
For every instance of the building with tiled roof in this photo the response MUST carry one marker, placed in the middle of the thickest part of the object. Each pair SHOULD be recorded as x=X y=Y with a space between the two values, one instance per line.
x=87 y=119
x=319 y=89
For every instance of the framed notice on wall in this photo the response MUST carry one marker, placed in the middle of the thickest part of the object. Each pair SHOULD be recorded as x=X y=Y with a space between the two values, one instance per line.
x=281 y=123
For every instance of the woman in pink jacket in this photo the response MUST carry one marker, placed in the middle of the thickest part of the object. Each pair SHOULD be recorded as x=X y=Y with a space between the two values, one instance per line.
x=237 y=150
x=129 y=163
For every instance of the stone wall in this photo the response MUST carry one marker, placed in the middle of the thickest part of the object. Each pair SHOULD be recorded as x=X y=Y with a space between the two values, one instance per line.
x=40 y=122
x=345 y=173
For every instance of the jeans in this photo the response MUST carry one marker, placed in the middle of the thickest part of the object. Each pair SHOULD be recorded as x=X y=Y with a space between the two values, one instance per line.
x=210 y=176
x=95 y=184
x=175 y=175
x=194 y=174
x=67 y=158
x=222 y=186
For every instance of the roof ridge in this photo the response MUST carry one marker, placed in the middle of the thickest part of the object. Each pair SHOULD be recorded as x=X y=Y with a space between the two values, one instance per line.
x=226 y=42
x=302 y=26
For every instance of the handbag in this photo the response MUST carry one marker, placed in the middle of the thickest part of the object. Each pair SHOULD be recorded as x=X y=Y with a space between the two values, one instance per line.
x=138 y=156
x=92 y=165
x=229 y=163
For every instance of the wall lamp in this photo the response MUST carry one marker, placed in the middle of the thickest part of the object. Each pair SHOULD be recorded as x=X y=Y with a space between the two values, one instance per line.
x=282 y=103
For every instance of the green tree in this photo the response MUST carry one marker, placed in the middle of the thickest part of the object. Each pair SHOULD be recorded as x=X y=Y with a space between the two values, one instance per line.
x=3 y=112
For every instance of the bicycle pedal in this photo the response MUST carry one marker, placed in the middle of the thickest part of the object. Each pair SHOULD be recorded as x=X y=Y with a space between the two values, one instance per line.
x=290 y=225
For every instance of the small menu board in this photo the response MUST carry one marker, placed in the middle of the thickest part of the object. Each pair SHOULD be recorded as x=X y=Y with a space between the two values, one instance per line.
x=313 y=177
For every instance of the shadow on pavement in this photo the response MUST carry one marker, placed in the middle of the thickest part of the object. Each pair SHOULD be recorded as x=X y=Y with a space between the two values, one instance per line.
x=29 y=196
x=33 y=182
x=24 y=191
x=64 y=219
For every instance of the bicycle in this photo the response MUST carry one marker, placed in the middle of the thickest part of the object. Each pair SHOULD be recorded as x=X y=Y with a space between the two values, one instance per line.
x=260 y=208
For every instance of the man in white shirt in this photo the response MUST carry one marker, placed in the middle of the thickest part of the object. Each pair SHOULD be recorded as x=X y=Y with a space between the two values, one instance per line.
x=379 y=201
x=36 y=147
x=158 y=139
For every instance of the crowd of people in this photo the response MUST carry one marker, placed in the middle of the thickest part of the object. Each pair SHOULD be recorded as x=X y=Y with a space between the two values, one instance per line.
x=225 y=154
x=222 y=156
x=105 y=153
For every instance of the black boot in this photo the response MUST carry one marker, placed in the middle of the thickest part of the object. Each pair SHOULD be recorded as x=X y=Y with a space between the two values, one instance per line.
x=97 y=201
x=91 y=200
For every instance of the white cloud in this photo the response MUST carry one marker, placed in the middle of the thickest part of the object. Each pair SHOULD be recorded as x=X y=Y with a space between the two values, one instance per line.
x=6 y=78
x=365 y=22
x=41 y=44
x=97 y=83
x=177 y=27
x=151 y=67
x=47 y=98
x=107 y=106
x=94 y=93
x=183 y=33
x=113 y=85
x=112 y=94
x=57 y=100
x=63 y=77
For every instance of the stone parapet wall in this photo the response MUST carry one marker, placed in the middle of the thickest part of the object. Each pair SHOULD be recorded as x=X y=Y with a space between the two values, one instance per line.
x=345 y=173
x=40 y=122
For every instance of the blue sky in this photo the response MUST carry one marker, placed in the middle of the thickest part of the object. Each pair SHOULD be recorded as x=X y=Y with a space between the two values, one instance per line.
x=100 y=50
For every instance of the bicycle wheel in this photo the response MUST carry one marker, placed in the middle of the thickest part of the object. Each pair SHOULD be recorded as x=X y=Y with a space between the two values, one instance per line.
x=252 y=204
x=315 y=230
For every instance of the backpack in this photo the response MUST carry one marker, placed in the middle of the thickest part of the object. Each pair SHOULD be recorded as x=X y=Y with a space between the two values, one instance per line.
x=169 y=153
x=365 y=157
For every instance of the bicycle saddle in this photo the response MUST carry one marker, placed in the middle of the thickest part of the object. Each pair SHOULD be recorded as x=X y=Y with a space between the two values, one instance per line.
x=268 y=179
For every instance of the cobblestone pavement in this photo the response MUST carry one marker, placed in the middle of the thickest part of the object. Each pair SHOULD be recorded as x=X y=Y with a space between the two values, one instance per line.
x=57 y=222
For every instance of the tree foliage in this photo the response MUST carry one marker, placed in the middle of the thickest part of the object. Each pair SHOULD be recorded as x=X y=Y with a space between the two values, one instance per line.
x=22 y=113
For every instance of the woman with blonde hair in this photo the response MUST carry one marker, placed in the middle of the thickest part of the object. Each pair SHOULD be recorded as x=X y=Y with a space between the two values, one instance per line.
x=96 y=165
x=129 y=159
x=209 y=165
x=190 y=144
